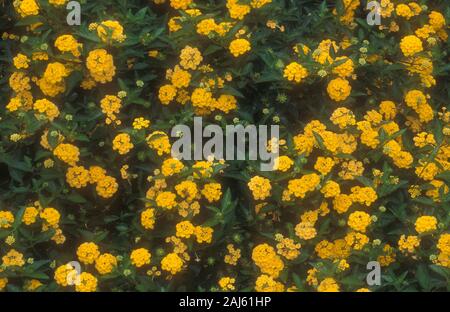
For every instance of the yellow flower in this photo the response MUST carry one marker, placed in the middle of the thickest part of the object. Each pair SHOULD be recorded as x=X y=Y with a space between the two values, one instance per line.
x=436 y=20
x=342 y=202
x=55 y=72
x=148 y=218
x=356 y=240
x=21 y=61
x=122 y=143
x=18 y=81
x=427 y=171
x=47 y=108
x=159 y=141
x=212 y=191
x=57 y=2
x=106 y=187
x=68 y=43
x=141 y=123
x=259 y=3
x=64 y=274
x=339 y=89
x=328 y=285
x=324 y=165
x=96 y=174
x=233 y=255
x=26 y=7
x=171 y=166
x=203 y=234
x=305 y=230
x=67 y=153
x=239 y=47
x=260 y=187
x=227 y=283
x=190 y=58
x=101 y=65
x=32 y=285
x=202 y=169
x=180 y=4
x=173 y=24
x=267 y=260
x=167 y=93
x=359 y=221
x=187 y=190
x=29 y=216
x=343 y=117
x=237 y=11
x=226 y=103
x=423 y=139
x=408 y=243
x=426 y=224
x=166 y=200
x=299 y=187
x=51 y=216
x=140 y=257
x=206 y=26
x=345 y=69
x=444 y=243
x=295 y=72
x=330 y=189
x=50 y=88
x=287 y=247
x=172 y=263
x=363 y=195
x=13 y=258
x=185 y=229
x=265 y=283
x=411 y=45
x=283 y=163
x=6 y=219
x=88 y=283
x=404 y=11
x=110 y=106
x=105 y=263
x=88 y=252
x=388 y=110
x=201 y=98
x=111 y=30
x=77 y=176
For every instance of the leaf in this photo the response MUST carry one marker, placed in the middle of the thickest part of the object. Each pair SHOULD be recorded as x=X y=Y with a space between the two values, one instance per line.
x=29 y=20
x=212 y=49
x=76 y=198
x=423 y=277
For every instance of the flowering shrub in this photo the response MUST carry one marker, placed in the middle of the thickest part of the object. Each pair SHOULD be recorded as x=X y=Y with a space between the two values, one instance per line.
x=85 y=152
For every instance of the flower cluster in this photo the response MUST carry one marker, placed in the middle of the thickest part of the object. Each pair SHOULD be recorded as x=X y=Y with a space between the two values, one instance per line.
x=97 y=195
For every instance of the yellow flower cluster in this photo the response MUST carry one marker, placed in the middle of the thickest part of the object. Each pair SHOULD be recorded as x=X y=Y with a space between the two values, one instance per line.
x=411 y=45
x=101 y=65
x=239 y=47
x=140 y=257
x=172 y=263
x=260 y=187
x=46 y=108
x=122 y=143
x=110 y=31
x=67 y=153
x=88 y=252
x=426 y=224
x=295 y=72
x=68 y=43
x=339 y=89
x=364 y=180
x=267 y=260
x=26 y=7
